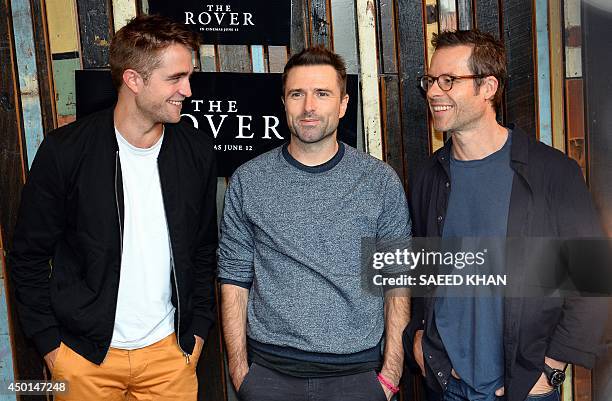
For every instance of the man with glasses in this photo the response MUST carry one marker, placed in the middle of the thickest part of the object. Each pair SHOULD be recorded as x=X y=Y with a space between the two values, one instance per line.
x=495 y=181
x=297 y=323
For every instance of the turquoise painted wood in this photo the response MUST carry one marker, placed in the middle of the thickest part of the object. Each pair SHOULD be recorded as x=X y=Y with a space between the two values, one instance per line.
x=543 y=54
x=28 y=81
x=257 y=55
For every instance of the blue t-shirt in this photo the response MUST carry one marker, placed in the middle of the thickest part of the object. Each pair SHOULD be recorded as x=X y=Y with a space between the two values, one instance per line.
x=471 y=327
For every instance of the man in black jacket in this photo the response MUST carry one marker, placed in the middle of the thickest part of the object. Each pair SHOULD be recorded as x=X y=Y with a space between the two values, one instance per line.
x=495 y=182
x=114 y=250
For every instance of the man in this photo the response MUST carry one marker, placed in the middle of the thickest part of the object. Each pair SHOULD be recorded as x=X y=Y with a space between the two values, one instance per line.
x=114 y=252
x=495 y=181
x=297 y=324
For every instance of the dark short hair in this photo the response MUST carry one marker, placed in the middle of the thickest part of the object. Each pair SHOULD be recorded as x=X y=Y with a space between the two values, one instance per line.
x=138 y=44
x=317 y=55
x=488 y=55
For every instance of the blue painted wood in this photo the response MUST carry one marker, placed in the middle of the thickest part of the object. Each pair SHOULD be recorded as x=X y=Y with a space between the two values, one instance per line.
x=28 y=80
x=6 y=354
x=545 y=117
x=257 y=55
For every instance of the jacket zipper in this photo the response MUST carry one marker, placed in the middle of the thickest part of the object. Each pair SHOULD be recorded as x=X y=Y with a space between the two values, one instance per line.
x=120 y=227
x=118 y=213
x=178 y=298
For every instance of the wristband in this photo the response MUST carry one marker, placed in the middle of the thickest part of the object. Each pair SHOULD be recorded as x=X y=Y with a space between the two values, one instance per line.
x=383 y=380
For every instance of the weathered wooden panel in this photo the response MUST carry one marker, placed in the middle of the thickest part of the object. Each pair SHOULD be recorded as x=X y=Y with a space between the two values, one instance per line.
x=447 y=15
x=582 y=384
x=257 y=58
x=7 y=371
x=344 y=34
x=234 y=58
x=345 y=44
x=44 y=66
x=299 y=23
x=390 y=88
x=556 y=74
x=208 y=61
x=277 y=58
x=543 y=70
x=366 y=14
x=28 y=77
x=573 y=49
x=486 y=13
x=412 y=65
x=574 y=105
x=95 y=27
x=123 y=12
x=64 y=43
x=63 y=73
x=386 y=37
x=567 y=390
x=11 y=131
x=518 y=36
x=392 y=124
x=62 y=24
x=464 y=14
x=320 y=23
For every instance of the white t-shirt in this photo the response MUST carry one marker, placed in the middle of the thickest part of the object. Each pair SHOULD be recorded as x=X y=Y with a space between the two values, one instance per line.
x=145 y=313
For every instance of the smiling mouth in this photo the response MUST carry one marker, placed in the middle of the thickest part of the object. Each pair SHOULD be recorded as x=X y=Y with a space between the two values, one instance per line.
x=178 y=103
x=441 y=108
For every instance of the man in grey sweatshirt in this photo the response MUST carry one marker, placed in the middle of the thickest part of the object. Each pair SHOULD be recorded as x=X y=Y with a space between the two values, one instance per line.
x=296 y=321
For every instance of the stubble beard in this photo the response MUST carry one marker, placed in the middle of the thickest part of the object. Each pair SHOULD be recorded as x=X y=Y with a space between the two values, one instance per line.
x=310 y=135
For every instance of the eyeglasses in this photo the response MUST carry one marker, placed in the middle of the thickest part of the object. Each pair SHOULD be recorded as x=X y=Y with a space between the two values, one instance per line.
x=445 y=82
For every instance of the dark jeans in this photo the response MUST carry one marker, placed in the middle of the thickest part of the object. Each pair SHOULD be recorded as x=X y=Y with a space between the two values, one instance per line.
x=457 y=390
x=263 y=384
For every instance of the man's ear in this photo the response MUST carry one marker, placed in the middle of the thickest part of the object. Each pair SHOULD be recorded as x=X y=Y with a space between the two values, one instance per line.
x=283 y=100
x=133 y=80
x=343 y=105
x=489 y=87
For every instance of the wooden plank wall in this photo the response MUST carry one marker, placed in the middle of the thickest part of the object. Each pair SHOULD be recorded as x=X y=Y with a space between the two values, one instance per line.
x=574 y=100
x=43 y=43
x=518 y=37
x=12 y=176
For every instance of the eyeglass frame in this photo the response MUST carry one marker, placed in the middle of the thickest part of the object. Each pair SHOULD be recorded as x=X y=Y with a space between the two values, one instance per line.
x=452 y=77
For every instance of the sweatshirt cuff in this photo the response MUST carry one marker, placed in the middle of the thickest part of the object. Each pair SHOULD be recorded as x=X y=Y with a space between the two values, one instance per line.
x=242 y=284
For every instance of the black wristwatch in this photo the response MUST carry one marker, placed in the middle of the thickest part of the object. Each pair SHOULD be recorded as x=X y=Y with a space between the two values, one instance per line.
x=555 y=376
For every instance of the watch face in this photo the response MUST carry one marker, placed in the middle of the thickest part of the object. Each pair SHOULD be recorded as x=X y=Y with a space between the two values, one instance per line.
x=557 y=378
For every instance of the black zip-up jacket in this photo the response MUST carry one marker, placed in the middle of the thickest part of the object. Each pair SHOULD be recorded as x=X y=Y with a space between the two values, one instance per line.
x=548 y=199
x=66 y=255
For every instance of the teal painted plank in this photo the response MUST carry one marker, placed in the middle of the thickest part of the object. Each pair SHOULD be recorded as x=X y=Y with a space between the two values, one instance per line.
x=28 y=81
x=541 y=11
x=257 y=55
x=63 y=76
x=6 y=354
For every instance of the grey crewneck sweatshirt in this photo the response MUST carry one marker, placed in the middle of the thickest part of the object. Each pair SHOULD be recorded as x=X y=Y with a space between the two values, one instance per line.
x=292 y=234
